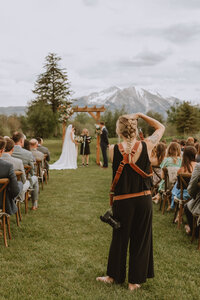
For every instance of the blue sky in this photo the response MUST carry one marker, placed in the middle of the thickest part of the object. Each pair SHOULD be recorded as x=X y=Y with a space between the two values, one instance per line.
x=152 y=44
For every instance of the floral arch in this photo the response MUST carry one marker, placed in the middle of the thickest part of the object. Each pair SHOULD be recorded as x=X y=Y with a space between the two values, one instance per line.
x=95 y=112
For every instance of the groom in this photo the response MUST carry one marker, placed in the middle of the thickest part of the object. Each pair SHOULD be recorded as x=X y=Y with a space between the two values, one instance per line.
x=104 y=143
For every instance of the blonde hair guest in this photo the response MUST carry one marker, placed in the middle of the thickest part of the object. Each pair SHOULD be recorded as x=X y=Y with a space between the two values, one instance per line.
x=132 y=205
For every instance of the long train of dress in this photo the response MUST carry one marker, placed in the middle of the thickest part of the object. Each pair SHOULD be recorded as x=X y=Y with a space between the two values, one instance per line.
x=68 y=157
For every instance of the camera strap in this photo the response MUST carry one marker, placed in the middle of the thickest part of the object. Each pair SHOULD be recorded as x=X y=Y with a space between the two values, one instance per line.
x=121 y=167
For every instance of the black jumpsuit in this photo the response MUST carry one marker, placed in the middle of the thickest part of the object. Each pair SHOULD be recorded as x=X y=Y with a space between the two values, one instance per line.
x=135 y=215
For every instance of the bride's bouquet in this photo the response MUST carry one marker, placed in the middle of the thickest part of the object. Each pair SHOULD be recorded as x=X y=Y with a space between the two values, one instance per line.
x=78 y=139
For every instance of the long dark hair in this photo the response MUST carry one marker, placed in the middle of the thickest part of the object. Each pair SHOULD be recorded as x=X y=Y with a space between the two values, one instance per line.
x=189 y=155
x=160 y=152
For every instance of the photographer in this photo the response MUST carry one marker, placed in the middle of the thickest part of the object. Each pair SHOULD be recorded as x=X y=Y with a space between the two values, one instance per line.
x=132 y=205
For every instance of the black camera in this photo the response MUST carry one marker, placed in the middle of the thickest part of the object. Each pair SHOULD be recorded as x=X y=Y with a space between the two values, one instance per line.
x=108 y=218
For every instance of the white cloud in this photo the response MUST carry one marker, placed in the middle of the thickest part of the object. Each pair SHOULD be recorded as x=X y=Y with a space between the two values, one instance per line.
x=102 y=43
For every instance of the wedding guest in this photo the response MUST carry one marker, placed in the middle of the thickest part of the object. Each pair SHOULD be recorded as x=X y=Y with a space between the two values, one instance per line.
x=27 y=159
x=104 y=143
x=132 y=204
x=37 y=154
x=27 y=145
x=197 y=146
x=14 y=187
x=190 y=141
x=156 y=159
x=182 y=144
x=17 y=164
x=44 y=150
x=173 y=159
x=187 y=166
x=85 y=146
x=193 y=206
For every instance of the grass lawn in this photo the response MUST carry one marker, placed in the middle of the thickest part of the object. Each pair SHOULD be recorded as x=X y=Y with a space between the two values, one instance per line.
x=60 y=249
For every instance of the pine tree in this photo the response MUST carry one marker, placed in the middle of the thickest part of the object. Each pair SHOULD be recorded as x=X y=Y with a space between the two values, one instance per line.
x=185 y=117
x=52 y=87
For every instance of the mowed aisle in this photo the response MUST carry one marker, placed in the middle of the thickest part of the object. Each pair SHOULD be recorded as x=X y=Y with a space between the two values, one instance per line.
x=60 y=249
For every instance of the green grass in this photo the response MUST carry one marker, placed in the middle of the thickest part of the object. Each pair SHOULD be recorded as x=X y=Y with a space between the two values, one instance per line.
x=60 y=249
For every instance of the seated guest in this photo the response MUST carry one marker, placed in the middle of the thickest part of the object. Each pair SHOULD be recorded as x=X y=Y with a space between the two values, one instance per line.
x=156 y=159
x=197 y=146
x=13 y=188
x=182 y=144
x=17 y=164
x=190 y=141
x=193 y=206
x=27 y=159
x=187 y=167
x=44 y=150
x=173 y=160
x=37 y=154
x=27 y=145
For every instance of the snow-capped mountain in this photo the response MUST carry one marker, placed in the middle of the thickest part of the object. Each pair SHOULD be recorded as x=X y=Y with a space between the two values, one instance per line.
x=132 y=99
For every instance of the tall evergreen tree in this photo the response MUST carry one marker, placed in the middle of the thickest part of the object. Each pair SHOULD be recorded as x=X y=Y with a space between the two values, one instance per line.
x=52 y=87
x=185 y=117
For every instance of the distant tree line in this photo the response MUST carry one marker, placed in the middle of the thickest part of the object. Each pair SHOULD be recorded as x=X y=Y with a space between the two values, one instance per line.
x=52 y=90
x=183 y=120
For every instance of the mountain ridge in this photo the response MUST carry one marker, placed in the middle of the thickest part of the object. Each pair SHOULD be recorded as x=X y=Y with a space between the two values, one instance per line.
x=131 y=99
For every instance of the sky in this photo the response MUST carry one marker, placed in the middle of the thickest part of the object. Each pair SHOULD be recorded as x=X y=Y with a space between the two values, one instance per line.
x=151 y=44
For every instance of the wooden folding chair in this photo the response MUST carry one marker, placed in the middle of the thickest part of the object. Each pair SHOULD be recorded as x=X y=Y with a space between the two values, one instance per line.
x=183 y=181
x=3 y=215
x=154 y=189
x=27 y=169
x=39 y=172
x=170 y=175
x=46 y=171
x=18 y=200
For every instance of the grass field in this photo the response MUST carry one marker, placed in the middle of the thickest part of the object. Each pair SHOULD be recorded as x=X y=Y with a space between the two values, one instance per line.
x=60 y=249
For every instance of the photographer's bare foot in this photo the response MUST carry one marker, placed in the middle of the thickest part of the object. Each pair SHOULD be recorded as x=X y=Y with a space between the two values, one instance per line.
x=133 y=286
x=105 y=279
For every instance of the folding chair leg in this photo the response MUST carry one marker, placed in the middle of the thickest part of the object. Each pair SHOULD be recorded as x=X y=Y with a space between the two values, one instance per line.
x=175 y=213
x=164 y=204
x=180 y=216
x=8 y=226
x=45 y=177
x=193 y=229
x=19 y=210
x=4 y=231
x=17 y=218
x=26 y=202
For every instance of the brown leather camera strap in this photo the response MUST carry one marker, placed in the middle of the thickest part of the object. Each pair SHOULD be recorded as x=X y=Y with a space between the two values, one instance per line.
x=121 y=167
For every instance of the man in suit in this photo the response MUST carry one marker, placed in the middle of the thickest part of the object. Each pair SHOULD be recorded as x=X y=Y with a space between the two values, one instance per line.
x=13 y=188
x=27 y=159
x=44 y=150
x=104 y=143
x=37 y=154
x=17 y=164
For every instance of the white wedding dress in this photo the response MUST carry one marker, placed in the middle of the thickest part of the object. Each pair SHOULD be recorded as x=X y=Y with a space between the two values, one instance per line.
x=68 y=158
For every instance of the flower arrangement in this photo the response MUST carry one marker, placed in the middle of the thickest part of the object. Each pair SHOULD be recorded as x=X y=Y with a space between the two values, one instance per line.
x=78 y=139
x=65 y=111
x=98 y=129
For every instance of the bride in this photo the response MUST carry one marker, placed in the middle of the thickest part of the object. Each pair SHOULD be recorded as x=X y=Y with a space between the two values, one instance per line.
x=68 y=158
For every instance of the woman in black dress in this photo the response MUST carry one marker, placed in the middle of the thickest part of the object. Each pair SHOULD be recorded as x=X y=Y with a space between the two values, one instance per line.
x=132 y=210
x=85 y=147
